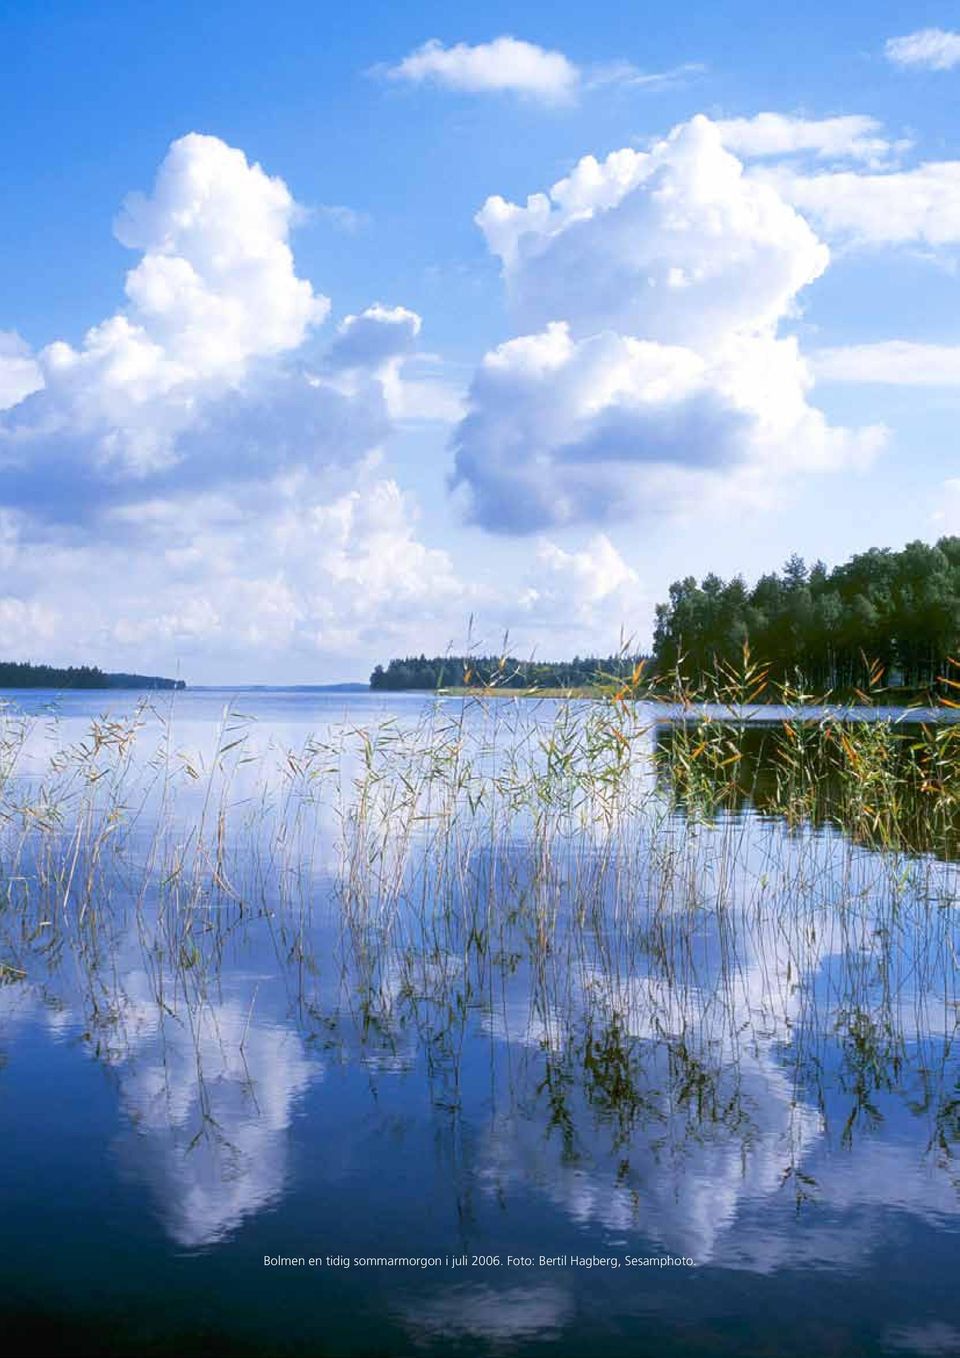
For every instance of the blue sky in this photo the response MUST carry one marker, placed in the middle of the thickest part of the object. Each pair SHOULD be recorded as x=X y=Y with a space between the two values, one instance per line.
x=282 y=422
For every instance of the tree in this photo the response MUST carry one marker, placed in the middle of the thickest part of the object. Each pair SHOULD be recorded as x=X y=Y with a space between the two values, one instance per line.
x=901 y=609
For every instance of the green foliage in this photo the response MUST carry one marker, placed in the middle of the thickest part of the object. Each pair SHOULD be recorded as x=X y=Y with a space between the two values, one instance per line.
x=489 y=671
x=899 y=610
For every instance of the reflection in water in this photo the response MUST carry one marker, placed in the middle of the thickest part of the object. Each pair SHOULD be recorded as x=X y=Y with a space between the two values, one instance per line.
x=210 y=1104
x=720 y=1036
x=495 y=1315
x=935 y=1338
x=207 y=1095
x=889 y=784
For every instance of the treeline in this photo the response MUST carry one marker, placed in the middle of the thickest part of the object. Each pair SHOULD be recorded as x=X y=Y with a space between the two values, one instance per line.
x=17 y=674
x=490 y=671
x=829 y=627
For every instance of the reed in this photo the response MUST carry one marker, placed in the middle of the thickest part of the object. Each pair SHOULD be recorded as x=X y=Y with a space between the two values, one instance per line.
x=635 y=892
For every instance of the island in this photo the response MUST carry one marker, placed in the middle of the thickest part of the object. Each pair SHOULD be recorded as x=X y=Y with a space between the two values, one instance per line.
x=23 y=674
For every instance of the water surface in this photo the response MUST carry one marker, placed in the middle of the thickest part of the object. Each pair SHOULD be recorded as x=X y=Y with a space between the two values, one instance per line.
x=448 y=1035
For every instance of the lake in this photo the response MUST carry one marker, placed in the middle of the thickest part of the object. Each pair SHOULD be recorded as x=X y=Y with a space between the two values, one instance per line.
x=500 y=1022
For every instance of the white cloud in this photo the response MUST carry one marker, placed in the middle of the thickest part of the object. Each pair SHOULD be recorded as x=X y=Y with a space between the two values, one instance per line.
x=26 y=625
x=587 y=576
x=648 y=289
x=934 y=49
x=216 y=284
x=206 y=377
x=901 y=363
x=351 y=221
x=624 y=73
x=505 y=64
x=19 y=371
x=850 y=137
x=425 y=398
x=554 y=425
x=291 y=566
x=192 y=480
x=381 y=342
x=201 y=484
x=604 y=429
x=916 y=206
x=214 y=293
x=375 y=340
x=296 y=571
x=591 y=588
x=674 y=244
x=523 y=68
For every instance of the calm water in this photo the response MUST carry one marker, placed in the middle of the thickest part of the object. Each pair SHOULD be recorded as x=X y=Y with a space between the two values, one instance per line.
x=729 y=1045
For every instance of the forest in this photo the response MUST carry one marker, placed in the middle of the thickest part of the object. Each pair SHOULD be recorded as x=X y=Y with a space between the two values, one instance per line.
x=895 y=613
x=21 y=674
x=490 y=671
x=829 y=629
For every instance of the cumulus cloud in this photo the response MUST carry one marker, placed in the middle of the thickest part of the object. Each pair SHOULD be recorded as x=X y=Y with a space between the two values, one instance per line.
x=214 y=293
x=208 y=375
x=425 y=394
x=292 y=566
x=280 y=418
x=900 y=363
x=20 y=373
x=200 y=474
x=375 y=340
x=591 y=587
x=201 y=477
x=648 y=290
x=554 y=424
x=915 y=206
x=850 y=137
x=505 y=64
x=590 y=575
x=298 y=569
x=674 y=244
x=27 y=623
x=932 y=49
x=380 y=343
x=216 y=283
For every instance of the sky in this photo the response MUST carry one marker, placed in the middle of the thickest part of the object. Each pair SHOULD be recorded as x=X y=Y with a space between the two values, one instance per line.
x=329 y=335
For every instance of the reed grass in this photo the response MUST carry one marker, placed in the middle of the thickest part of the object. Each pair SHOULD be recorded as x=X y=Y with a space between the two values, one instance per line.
x=638 y=892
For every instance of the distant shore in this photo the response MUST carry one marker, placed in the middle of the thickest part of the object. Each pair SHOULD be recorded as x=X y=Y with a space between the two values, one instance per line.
x=25 y=675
